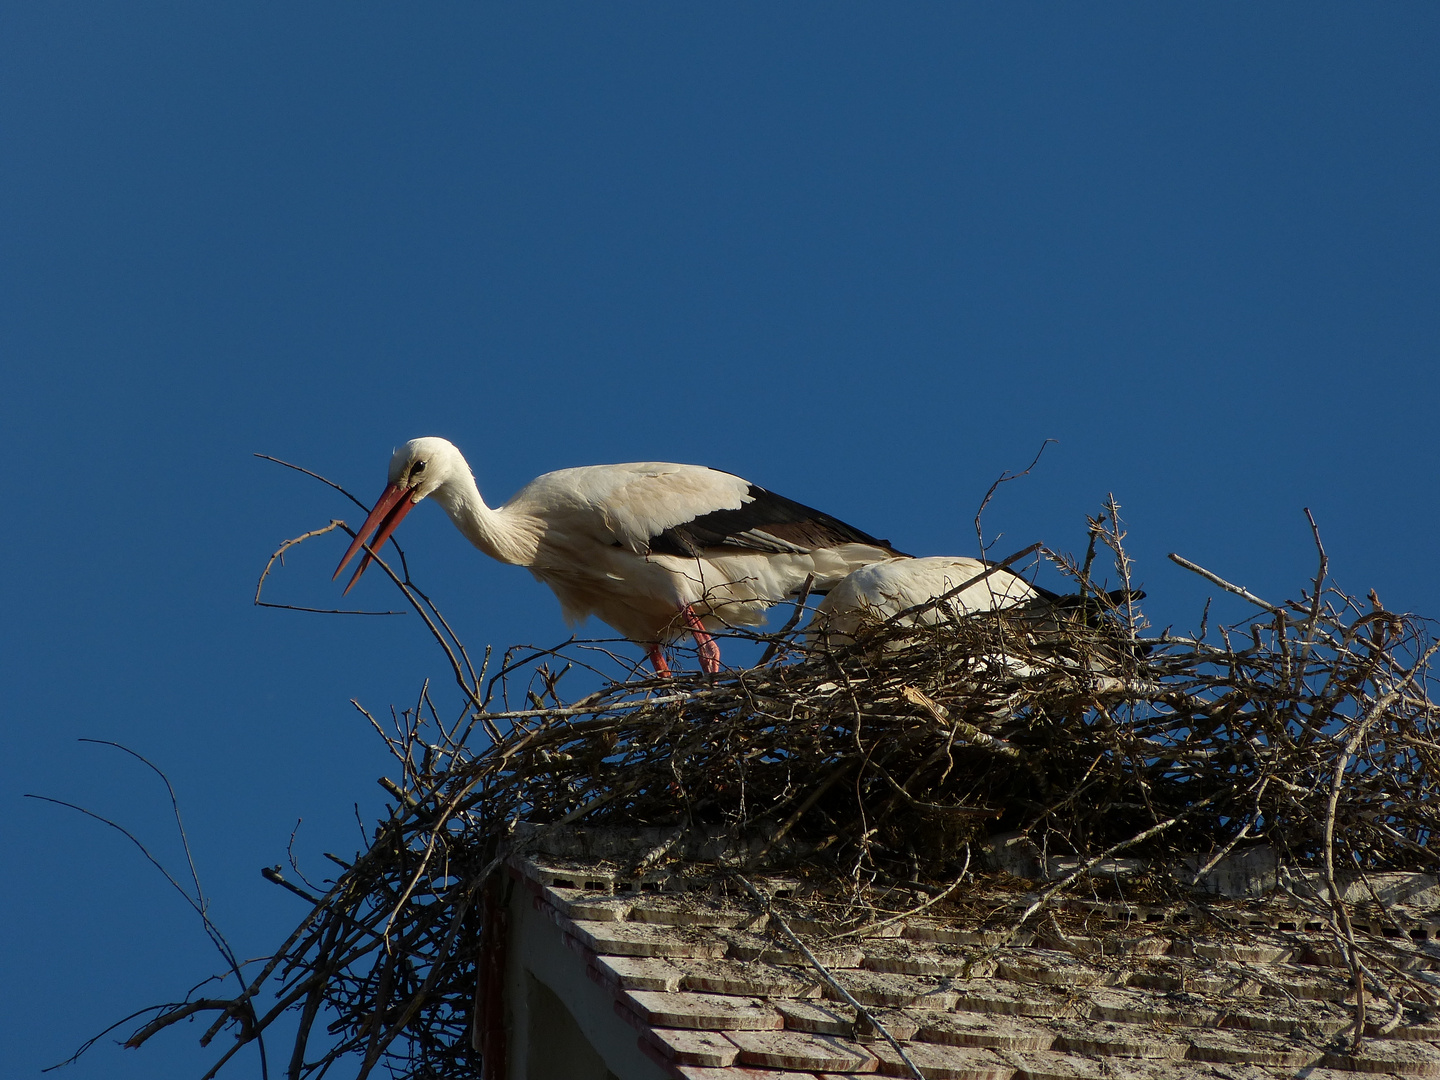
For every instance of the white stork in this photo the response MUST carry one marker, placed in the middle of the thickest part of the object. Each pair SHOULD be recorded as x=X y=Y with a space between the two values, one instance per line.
x=881 y=590
x=653 y=549
x=1071 y=632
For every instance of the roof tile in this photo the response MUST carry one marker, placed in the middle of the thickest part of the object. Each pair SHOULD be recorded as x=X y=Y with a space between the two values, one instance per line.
x=827 y=1018
x=639 y=972
x=833 y=1018
x=1106 y=1038
x=919 y=958
x=799 y=1050
x=686 y=910
x=1282 y=1016
x=727 y=976
x=947 y=933
x=692 y=1047
x=1250 y=953
x=1388 y=1055
x=1113 y=945
x=586 y=904
x=971 y=1029
x=703 y=1012
x=642 y=939
x=745 y=945
x=897 y=991
x=1194 y=977
x=739 y=1072
x=1046 y=1065
x=1128 y=1005
x=1018 y=999
x=1052 y=967
x=1252 y=1048
x=944 y=1062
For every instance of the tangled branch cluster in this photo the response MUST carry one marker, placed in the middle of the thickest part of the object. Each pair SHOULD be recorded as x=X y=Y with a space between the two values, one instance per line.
x=1310 y=729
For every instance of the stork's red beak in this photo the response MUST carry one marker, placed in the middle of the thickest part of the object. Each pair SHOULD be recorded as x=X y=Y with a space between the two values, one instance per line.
x=389 y=511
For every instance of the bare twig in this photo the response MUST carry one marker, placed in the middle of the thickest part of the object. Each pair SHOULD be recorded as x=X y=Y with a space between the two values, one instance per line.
x=860 y=1011
x=1004 y=478
x=1216 y=579
x=784 y=633
x=279 y=555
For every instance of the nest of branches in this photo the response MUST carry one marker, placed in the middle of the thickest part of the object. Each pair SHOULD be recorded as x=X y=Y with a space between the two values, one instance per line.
x=1309 y=728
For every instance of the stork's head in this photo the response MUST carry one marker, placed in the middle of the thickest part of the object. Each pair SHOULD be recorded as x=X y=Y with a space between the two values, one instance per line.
x=417 y=470
x=422 y=465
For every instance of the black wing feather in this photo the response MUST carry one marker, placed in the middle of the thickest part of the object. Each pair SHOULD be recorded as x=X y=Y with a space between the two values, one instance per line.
x=768 y=522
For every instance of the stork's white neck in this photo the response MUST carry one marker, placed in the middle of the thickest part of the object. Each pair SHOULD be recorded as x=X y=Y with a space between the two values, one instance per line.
x=503 y=534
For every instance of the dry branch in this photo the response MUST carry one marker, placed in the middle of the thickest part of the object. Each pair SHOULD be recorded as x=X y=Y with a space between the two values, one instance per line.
x=893 y=759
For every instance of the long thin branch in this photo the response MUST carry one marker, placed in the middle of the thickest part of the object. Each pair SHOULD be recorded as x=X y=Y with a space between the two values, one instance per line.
x=197 y=905
x=824 y=972
x=1005 y=478
x=279 y=555
x=1216 y=579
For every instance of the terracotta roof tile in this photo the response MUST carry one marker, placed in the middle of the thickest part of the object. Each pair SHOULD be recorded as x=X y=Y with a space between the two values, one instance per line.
x=945 y=932
x=837 y=1018
x=692 y=1047
x=1053 y=968
x=1038 y=1065
x=819 y=1018
x=944 y=1062
x=586 y=904
x=750 y=946
x=703 y=1012
x=986 y=1032
x=1017 y=999
x=1133 y=1006
x=1107 y=1039
x=1252 y=1048
x=727 y=976
x=1194 y=977
x=691 y=911
x=640 y=972
x=898 y=991
x=642 y=939
x=1401 y=1056
x=803 y=1051
x=740 y=1072
x=1279 y=1015
x=917 y=958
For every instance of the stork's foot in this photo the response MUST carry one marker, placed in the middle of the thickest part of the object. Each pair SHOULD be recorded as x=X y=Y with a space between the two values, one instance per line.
x=658 y=661
x=704 y=644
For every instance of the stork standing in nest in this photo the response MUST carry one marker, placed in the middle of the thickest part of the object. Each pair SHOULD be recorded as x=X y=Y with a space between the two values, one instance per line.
x=655 y=550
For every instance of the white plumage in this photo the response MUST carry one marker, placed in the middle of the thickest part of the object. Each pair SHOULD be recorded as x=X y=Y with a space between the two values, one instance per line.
x=1072 y=633
x=655 y=550
x=875 y=593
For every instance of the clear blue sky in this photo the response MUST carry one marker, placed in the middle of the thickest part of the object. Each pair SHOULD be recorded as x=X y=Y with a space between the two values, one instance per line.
x=866 y=256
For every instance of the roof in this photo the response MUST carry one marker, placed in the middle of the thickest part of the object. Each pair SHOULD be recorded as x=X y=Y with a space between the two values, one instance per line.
x=1245 y=989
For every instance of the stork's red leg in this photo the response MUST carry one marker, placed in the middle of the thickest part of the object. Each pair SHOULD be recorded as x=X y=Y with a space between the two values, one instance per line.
x=704 y=643
x=658 y=662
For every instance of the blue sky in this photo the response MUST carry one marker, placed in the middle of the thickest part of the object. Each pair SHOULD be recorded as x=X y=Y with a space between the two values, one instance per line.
x=869 y=257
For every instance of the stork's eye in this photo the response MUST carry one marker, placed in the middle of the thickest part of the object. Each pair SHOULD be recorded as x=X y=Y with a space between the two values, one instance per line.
x=419 y=466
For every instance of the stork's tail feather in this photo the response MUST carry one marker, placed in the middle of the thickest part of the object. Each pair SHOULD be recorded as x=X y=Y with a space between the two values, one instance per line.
x=1092 y=601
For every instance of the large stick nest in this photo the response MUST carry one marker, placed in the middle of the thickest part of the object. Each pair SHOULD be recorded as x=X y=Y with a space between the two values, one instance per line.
x=1310 y=729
